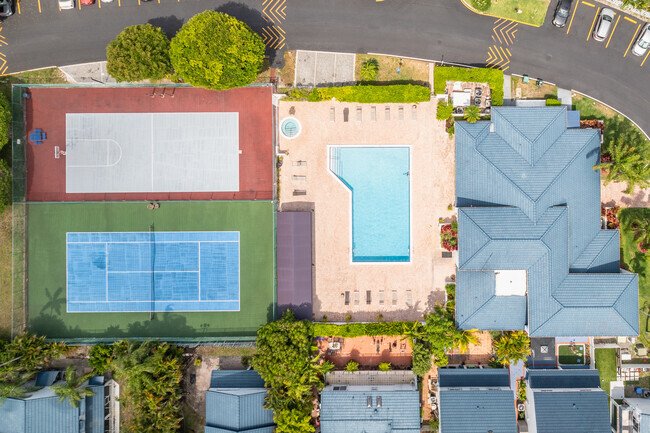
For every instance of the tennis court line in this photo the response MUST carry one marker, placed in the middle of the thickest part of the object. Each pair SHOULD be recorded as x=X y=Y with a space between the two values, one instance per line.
x=160 y=301
x=106 y=245
x=148 y=272
x=200 y=271
x=151 y=242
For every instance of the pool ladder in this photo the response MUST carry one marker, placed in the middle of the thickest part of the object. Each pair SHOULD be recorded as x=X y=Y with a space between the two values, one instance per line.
x=334 y=159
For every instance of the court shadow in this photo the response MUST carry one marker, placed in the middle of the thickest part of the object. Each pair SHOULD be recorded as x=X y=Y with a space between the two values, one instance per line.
x=162 y=324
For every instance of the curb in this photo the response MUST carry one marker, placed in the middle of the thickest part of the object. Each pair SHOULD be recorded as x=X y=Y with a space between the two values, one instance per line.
x=496 y=16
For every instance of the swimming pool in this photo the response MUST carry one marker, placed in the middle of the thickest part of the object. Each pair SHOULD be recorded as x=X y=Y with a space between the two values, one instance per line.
x=378 y=178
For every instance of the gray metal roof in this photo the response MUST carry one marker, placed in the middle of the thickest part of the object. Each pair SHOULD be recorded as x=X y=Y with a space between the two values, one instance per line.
x=573 y=411
x=529 y=199
x=477 y=411
x=554 y=379
x=348 y=411
x=475 y=378
x=294 y=240
x=237 y=410
x=236 y=379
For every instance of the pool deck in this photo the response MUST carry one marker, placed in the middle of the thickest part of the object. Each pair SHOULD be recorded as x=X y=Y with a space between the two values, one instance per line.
x=305 y=168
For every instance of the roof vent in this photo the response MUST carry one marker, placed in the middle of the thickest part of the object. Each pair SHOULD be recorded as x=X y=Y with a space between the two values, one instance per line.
x=491 y=126
x=378 y=401
x=369 y=401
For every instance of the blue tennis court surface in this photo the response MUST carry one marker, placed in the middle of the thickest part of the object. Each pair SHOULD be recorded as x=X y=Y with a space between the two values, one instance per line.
x=157 y=271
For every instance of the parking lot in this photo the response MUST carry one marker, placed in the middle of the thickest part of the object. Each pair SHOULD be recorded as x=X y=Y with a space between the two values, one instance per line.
x=624 y=31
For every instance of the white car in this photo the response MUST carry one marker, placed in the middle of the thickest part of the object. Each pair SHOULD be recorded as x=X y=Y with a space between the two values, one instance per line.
x=642 y=42
x=66 y=4
x=604 y=24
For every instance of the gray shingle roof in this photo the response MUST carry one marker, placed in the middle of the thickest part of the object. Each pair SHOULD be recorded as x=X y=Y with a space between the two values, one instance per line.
x=574 y=411
x=553 y=379
x=476 y=378
x=529 y=200
x=477 y=411
x=236 y=379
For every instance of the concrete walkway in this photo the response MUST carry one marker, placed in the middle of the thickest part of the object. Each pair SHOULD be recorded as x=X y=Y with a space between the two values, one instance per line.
x=564 y=96
x=88 y=73
x=614 y=195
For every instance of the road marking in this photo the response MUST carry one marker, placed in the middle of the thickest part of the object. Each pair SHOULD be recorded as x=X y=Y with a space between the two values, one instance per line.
x=589 y=4
x=632 y=40
x=78 y=4
x=592 y=23
x=99 y=3
x=18 y=6
x=505 y=32
x=574 y=14
x=272 y=10
x=611 y=35
x=138 y=2
x=508 y=52
x=646 y=57
x=119 y=3
x=39 y=6
x=630 y=20
x=273 y=36
x=505 y=69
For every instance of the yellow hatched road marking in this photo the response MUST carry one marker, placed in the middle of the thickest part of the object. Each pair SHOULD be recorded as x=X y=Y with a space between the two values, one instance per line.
x=589 y=4
x=505 y=69
x=592 y=23
x=574 y=14
x=39 y=6
x=632 y=40
x=630 y=20
x=612 y=34
x=504 y=33
x=508 y=51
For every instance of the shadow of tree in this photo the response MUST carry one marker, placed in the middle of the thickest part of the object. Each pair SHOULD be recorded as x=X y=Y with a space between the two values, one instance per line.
x=170 y=24
x=54 y=301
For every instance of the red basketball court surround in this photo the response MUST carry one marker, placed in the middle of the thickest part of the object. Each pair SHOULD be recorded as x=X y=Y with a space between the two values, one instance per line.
x=47 y=108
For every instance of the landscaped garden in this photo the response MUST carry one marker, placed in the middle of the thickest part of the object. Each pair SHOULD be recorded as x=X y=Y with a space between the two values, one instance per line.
x=530 y=12
x=571 y=354
x=606 y=365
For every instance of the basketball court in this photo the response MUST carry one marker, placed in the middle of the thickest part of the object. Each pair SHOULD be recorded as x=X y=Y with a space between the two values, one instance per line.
x=151 y=152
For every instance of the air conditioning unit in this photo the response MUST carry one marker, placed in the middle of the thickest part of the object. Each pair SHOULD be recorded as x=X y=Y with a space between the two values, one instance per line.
x=434 y=406
x=521 y=407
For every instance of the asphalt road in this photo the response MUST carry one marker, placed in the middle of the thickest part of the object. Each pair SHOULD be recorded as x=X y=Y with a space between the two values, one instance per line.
x=428 y=29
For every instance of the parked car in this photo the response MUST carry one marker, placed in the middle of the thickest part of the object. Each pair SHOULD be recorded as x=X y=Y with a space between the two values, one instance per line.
x=604 y=24
x=562 y=13
x=6 y=8
x=87 y=2
x=66 y=4
x=642 y=42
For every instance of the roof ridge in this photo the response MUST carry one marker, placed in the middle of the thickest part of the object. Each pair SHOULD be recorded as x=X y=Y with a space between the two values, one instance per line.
x=479 y=308
x=616 y=301
x=515 y=128
x=563 y=211
x=548 y=125
x=483 y=231
x=601 y=250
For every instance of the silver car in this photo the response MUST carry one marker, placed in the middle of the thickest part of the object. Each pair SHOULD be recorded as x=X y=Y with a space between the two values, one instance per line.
x=604 y=24
x=642 y=42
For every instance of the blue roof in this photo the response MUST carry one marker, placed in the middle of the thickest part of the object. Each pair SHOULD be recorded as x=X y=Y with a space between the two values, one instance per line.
x=43 y=413
x=572 y=411
x=475 y=378
x=47 y=378
x=347 y=411
x=235 y=403
x=477 y=411
x=236 y=379
x=529 y=199
x=558 y=379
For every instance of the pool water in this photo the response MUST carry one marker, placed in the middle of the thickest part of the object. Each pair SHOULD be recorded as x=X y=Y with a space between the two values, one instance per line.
x=378 y=178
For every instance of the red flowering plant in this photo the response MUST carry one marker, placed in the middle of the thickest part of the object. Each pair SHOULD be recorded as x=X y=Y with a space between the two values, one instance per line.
x=449 y=236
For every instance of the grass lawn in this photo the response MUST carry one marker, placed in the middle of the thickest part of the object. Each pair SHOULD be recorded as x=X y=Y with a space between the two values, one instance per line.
x=569 y=357
x=47 y=225
x=637 y=262
x=606 y=365
x=410 y=70
x=5 y=274
x=532 y=11
x=530 y=90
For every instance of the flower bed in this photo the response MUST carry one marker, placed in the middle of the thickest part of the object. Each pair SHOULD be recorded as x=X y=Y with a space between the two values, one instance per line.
x=449 y=236
x=611 y=213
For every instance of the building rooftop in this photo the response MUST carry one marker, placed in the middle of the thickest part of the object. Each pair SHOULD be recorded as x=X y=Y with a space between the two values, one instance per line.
x=529 y=201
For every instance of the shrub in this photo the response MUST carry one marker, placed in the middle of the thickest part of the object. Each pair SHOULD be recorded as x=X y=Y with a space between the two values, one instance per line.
x=352 y=366
x=5 y=120
x=5 y=185
x=494 y=78
x=369 y=70
x=352 y=330
x=399 y=93
x=216 y=51
x=481 y=5
x=445 y=110
x=551 y=102
x=472 y=114
x=421 y=358
x=384 y=366
x=449 y=236
x=138 y=53
x=101 y=356
x=348 y=318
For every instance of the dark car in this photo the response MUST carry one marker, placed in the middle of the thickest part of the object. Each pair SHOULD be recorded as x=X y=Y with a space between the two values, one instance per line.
x=562 y=13
x=6 y=8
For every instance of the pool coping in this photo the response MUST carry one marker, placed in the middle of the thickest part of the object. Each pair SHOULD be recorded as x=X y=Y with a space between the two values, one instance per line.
x=347 y=188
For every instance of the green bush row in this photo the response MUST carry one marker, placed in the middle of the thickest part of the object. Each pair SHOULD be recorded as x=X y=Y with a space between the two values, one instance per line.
x=399 y=93
x=360 y=329
x=493 y=77
x=551 y=102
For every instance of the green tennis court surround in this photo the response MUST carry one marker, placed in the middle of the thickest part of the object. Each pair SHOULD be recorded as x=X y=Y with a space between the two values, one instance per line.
x=48 y=226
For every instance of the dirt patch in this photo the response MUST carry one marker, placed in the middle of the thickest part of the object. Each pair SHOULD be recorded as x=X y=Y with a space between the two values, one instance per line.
x=410 y=70
x=287 y=74
x=531 y=90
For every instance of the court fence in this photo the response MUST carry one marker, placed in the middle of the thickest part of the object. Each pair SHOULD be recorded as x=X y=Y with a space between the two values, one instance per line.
x=18 y=210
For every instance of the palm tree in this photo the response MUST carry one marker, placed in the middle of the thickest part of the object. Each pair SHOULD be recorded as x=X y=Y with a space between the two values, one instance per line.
x=16 y=388
x=413 y=333
x=472 y=114
x=464 y=338
x=641 y=230
x=512 y=347
x=71 y=389
x=627 y=165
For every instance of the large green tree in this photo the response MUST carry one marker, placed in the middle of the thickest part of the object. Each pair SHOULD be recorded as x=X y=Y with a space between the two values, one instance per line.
x=216 y=51
x=511 y=347
x=5 y=120
x=138 y=53
x=629 y=164
x=72 y=389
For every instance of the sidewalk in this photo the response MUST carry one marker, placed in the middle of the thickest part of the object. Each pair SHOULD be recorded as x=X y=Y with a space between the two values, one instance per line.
x=88 y=73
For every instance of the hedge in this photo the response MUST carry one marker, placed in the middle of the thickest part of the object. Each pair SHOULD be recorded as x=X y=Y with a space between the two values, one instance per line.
x=494 y=78
x=551 y=102
x=399 y=93
x=360 y=329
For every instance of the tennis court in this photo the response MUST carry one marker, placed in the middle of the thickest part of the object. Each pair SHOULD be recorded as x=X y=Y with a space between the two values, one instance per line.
x=151 y=152
x=152 y=271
